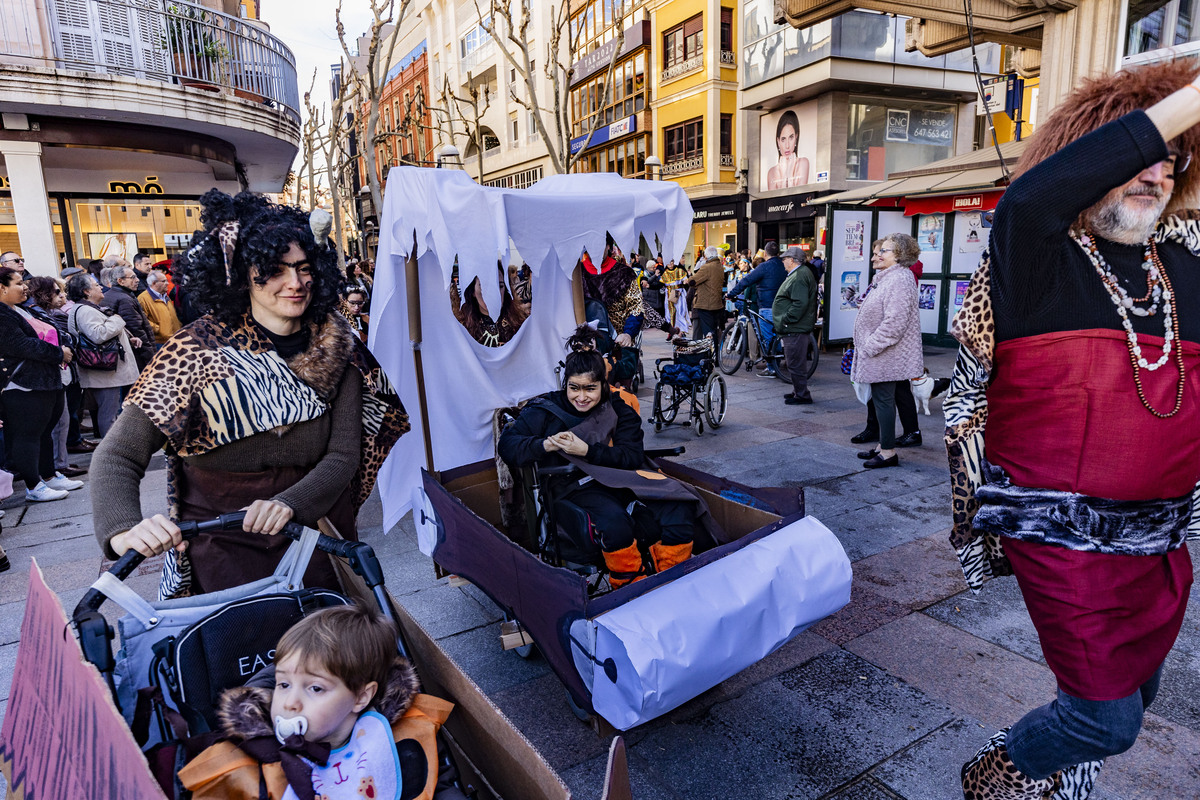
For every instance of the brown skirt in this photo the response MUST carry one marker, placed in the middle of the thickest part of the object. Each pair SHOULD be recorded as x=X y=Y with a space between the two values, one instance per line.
x=231 y=558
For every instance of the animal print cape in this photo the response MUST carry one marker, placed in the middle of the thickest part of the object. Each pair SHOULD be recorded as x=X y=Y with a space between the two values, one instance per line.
x=212 y=384
x=980 y=553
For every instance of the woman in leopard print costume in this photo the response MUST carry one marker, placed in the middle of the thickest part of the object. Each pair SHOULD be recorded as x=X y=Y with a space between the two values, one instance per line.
x=269 y=402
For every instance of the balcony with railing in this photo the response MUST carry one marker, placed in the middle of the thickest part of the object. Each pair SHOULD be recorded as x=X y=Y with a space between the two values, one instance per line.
x=728 y=58
x=682 y=68
x=171 y=41
x=683 y=165
x=481 y=56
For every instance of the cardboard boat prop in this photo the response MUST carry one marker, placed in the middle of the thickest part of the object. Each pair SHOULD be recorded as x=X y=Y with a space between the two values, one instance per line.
x=635 y=653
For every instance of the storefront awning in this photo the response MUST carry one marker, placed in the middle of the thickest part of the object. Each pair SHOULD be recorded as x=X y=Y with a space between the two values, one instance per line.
x=950 y=185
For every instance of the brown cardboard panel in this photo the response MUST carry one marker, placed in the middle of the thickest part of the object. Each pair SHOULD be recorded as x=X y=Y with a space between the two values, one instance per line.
x=484 y=499
x=736 y=519
x=512 y=768
x=616 y=779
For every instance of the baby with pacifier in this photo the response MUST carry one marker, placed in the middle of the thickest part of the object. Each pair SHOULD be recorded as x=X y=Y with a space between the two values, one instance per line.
x=320 y=734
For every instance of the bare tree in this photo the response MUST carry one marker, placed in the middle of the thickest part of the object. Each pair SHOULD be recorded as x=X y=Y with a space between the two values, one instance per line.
x=332 y=145
x=367 y=74
x=469 y=112
x=512 y=39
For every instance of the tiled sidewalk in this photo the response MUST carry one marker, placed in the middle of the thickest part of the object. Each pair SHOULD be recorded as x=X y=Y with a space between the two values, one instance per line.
x=885 y=699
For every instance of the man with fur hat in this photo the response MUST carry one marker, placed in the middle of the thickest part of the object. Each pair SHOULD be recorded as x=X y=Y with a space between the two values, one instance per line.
x=1080 y=350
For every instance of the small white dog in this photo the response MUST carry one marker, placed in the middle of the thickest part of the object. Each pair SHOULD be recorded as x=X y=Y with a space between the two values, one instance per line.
x=927 y=387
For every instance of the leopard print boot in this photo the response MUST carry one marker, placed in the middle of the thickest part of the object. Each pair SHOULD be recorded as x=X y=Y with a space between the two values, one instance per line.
x=991 y=775
x=1077 y=782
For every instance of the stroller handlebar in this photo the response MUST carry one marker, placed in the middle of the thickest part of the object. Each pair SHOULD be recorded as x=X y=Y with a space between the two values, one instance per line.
x=360 y=555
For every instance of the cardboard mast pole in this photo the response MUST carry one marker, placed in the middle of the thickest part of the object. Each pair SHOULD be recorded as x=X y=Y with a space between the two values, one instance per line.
x=412 y=295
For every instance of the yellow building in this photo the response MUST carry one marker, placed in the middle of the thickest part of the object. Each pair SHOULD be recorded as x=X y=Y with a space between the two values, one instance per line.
x=695 y=89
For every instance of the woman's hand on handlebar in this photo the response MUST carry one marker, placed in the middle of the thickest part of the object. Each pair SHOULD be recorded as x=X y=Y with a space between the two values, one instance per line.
x=267 y=517
x=150 y=537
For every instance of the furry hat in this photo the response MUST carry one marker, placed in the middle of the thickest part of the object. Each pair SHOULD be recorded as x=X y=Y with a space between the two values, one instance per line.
x=245 y=711
x=1102 y=99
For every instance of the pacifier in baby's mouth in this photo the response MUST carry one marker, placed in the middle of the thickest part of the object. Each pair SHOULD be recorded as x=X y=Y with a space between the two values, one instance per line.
x=287 y=726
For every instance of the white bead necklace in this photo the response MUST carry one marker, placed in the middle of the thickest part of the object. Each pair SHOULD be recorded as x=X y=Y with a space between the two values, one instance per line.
x=1156 y=292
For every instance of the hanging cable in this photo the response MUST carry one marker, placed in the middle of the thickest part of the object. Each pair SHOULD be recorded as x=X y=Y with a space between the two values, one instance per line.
x=970 y=14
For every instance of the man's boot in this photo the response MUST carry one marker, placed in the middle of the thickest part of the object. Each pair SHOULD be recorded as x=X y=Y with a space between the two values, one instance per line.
x=666 y=556
x=624 y=566
x=991 y=775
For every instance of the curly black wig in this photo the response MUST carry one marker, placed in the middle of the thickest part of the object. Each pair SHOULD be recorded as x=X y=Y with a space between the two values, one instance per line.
x=266 y=232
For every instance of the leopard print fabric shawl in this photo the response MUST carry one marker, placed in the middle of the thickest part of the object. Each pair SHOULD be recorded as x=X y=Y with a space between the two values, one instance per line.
x=212 y=384
x=980 y=553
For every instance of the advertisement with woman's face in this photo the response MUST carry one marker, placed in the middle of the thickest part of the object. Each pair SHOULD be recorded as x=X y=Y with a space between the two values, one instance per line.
x=788 y=148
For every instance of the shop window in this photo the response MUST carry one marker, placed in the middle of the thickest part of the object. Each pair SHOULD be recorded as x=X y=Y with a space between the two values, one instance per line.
x=684 y=141
x=683 y=42
x=886 y=136
x=726 y=30
x=727 y=134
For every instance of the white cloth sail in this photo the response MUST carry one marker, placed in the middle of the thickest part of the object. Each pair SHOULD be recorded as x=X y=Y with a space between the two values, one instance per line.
x=442 y=215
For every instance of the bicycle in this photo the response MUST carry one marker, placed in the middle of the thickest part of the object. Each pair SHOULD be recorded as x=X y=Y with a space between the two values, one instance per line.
x=734 y=346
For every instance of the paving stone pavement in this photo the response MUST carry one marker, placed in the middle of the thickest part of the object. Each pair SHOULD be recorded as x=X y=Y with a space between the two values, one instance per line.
x=883 y=700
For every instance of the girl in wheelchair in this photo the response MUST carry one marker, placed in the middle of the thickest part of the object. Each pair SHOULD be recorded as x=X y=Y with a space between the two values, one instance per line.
x=625 y=504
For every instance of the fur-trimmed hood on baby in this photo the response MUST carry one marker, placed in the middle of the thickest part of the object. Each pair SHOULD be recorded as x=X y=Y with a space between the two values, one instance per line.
x=244 y=712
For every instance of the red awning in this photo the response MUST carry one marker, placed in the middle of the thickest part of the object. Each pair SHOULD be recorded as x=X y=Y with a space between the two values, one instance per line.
x=944 y=204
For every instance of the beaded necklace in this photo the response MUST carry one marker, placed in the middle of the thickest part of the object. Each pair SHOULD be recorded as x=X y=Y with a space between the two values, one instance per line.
x=1158 y=291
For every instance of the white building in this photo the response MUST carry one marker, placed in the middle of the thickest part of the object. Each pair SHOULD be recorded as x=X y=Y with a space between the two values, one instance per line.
x=116 y=115
x=459 y=50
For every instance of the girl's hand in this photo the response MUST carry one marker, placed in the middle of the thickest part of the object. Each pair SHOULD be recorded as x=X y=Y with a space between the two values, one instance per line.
x=150 y=537
x=266 y=517
x=549 y=445
x=570 y=444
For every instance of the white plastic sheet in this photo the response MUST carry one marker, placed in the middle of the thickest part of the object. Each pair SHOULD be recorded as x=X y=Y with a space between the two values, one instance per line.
x=685 y=637
x=449 y=216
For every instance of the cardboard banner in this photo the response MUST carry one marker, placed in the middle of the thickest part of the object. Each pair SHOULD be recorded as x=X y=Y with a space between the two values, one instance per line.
x=63 y=738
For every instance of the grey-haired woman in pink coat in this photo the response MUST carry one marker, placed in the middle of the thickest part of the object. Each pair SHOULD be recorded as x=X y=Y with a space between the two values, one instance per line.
x=887 y=338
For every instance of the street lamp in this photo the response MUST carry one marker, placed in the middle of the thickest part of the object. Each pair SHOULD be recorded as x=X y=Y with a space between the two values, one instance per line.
x=651 y=163
x=449 y=155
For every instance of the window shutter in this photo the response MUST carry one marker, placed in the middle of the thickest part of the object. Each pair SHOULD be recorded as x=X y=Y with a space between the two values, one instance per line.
x=726 y=16
x=152 y=37
x=73 y=29
x=116 y=37
x=693 y=25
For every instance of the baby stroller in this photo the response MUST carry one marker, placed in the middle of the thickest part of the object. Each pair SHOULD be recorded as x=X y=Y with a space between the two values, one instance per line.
x=177 y=656
x=689 y=376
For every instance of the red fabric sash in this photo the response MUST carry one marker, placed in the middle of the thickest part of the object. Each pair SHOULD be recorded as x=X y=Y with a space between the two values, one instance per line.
x=1063 y=413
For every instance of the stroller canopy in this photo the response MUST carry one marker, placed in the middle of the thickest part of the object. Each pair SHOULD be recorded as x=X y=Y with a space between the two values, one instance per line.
x=439 y=216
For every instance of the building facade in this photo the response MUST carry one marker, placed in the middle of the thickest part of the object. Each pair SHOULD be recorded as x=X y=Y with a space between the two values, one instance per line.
x=697 y=136
x=842 y=104
x=116 y=117
x=450 y=54
x=611 y=116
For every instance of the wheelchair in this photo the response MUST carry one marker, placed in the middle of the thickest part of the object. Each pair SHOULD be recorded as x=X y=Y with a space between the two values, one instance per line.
x=689 y=376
